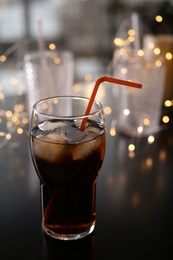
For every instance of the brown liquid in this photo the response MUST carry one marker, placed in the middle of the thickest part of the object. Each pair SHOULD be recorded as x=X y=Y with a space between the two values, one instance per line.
x=68 y=173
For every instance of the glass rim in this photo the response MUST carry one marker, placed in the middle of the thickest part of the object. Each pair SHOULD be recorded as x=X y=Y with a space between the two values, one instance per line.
x=91 y=114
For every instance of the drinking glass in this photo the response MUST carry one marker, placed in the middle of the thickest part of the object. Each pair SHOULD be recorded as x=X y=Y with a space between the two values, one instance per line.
x=67 y=161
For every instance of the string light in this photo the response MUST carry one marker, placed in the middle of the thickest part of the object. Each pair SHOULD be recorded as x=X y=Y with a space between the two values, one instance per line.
x=113 y=131
x=168 y=56
x=165 y=119
x=118 y=42
x=167 y=103
x=131 y=147
x=159 y=18
x=107 y=110
x=140 y=53
x=52 y=46
x=157 y=51
x=151 y=139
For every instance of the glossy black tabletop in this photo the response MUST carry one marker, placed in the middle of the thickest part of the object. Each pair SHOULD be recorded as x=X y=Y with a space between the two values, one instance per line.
x=134 y=203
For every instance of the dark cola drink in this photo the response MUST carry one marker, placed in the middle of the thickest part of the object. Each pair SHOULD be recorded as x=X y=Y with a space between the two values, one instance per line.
x=68 y=162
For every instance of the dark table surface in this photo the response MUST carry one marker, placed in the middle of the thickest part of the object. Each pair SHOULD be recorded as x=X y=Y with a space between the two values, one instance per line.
x=134 y=203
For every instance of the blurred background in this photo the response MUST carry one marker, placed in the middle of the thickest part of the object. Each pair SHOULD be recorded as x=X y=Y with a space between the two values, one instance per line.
x=91 y=29
x=86 y=27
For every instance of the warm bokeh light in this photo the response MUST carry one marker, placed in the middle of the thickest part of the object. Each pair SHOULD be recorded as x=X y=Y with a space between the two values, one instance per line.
x=44 y=106
x=1 y=96
x=165 y=119
x=52 y=46
x=149 y=162
x=131 y=147
x=57 y=60
x=25 y=120
x=168 y=56
x=159 y=18
x=140 y=130
x=20 y=131
x=88 y=77
x=140 y=53
x=151 y=45
x=107 y=110
x=146 y=121
x=3 y=58
x=158 y=63
x=162 y=155
x=8 y=136
x=113 y=131
x=156 y=51
x=8 y=113
x=14 y=81
x=151 y=139
x=131 y=39
x=124 y=71
x=168 y=103
x=126 y=112
x=118 y=42
x=19 y=108
x=131 y=32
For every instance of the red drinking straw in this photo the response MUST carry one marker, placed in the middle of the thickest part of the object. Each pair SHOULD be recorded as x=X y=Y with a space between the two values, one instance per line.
x=97 y=84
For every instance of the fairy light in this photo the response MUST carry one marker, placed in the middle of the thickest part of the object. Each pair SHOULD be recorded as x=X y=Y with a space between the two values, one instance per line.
x=118 y=42
x=131 y=38
x=167 y=103
x=162 y=155
x=168 y=56
x=146 y=121
x=151 y=139
x=56 y=60
x=158 y=63
x=113 y=131
x=8 y=136
x=52 y=46
x=131 y=32
x=25 y=120
x=20 y=131
x=55 y=101
x=44 y=106
x=9 y=124
x=19 y=108
x=126 y=112
x=3 y=58
x=107 y=110
x=15 y=119
x=1 y=96
x=14 y=81
x=158 y=18
x=165 y=119
x=88 y=77
x=156 y=51
x=131 y=147
x=140 y=130
x=149 y=162
x=124 y=71
x=8 y=113
x=140 y=53
x=151 y=45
